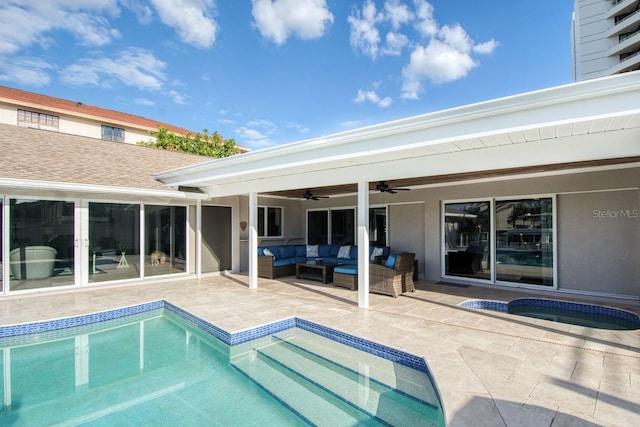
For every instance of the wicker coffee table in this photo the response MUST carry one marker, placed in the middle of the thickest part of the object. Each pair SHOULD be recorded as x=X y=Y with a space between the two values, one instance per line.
x=313 y=271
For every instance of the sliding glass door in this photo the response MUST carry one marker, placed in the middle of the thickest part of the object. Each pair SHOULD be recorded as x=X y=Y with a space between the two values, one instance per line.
x=508 y=241
x=524 y=241
x=114 y=241
x=41 y=244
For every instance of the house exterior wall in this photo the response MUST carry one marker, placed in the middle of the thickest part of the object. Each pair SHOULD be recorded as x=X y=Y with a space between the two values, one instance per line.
x=75 y=125
x=597 y=213
x=407 y=230
x=595 y=253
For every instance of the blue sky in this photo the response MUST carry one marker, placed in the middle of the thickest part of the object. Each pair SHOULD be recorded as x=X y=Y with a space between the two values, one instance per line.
x=269 y=72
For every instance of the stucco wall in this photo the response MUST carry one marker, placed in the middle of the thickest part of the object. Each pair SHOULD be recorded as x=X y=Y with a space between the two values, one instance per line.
x=596 y=253
x=407 y=230
x=577 y=196
x=599 y=242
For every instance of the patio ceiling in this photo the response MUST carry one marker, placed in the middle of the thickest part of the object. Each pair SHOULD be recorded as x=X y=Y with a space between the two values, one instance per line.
x=595 y=123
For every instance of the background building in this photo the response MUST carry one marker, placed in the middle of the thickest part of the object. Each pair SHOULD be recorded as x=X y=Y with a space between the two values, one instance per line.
x=605 y=38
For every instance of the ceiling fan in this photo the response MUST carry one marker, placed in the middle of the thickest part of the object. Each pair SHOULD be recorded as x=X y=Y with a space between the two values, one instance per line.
x=383 y=187
x=309 y=196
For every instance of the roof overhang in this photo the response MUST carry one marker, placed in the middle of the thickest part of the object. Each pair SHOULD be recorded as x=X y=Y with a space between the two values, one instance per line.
x=103 y=191
x=580 y=122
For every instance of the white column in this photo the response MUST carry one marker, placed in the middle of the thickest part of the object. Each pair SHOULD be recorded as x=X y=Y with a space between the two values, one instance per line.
x=363 y=244
x=253 y=240
x=198 y=245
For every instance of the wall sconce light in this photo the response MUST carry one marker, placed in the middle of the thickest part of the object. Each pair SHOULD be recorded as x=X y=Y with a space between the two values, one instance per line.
x=243 y=225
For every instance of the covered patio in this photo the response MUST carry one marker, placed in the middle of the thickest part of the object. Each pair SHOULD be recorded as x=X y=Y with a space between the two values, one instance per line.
x=491 y=368
x=558 y=143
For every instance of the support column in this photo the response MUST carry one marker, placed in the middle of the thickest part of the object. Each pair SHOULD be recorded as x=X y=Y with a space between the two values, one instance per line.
x=253 y=241
x=198 y=238
x=363 y=244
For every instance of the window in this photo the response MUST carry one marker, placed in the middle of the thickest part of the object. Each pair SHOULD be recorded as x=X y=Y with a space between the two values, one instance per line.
x=378 y=226
x=331 y=226
x=269 y=221
x=318 y=227
x=110 y=133
x=32 y=119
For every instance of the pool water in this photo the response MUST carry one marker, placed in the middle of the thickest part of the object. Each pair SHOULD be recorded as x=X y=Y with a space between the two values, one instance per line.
x=155 y=369
x=574 y=317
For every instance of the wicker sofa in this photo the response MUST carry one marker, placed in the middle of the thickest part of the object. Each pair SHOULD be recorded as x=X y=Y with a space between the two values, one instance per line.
x=393 y=277
x=280 y=260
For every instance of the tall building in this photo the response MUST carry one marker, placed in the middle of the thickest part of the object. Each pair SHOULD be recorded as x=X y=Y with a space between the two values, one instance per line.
x=605 y=37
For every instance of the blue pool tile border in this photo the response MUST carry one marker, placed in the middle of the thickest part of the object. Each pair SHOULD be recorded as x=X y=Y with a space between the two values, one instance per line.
x=75 y=321
x=416 y=362
x=554 y=304
x=230 y=339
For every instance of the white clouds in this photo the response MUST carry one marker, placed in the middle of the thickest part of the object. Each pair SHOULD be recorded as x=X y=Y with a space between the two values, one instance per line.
x=447 y=57
x=397 y=13
x=298 y=127
x=144 y=101
x=372 y=97
x=132 y=67
x=191 y=19
x=277 y=20
x=29 y=23
x=439 y=54
x=26 y=71
x=364 y=35
x=256 y=134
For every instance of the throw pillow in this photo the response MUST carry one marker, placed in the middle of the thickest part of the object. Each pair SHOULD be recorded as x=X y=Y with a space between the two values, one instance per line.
x=391 y=262
x=268 y=252
x=344 y=251
x=376 y=252
x=312 y=250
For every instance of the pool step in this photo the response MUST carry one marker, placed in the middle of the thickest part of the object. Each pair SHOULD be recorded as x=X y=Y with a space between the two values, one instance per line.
x=312 y=403
x=407 y=380
x=374 y=398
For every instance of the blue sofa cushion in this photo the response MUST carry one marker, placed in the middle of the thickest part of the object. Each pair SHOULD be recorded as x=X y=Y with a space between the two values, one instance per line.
x=346 y=269
x=333 y=250
x=301 y=251
x=281 y=262
x=323 y=250
x=391 y=261
x=286 y=251
x=260 y=251
x=354 y=252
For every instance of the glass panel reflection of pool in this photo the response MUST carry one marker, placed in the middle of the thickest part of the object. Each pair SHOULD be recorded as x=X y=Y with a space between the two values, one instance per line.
x=592 y=316
x=163 y=366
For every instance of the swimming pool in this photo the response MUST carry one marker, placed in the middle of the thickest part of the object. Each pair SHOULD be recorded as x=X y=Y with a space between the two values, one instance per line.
x=593 y=316
x=155 y=364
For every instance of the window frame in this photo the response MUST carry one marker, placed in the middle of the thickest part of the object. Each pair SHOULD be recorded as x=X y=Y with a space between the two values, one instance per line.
x=265 y=222
x=38 y=120
x=111 y=133
x=493 y=201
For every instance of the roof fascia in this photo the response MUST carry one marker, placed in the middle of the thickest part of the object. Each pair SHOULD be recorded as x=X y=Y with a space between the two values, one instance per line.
x=97 y=189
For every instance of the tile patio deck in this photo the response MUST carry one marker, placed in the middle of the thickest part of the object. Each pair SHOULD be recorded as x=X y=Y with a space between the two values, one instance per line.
x=491 y=368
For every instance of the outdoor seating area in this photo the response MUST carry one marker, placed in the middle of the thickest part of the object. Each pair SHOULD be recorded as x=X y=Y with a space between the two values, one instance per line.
x=280 y=260
x=389 y=274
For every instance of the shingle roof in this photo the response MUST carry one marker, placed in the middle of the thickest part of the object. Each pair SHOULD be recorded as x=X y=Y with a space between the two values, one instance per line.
x=33 y=154
x=79 y=109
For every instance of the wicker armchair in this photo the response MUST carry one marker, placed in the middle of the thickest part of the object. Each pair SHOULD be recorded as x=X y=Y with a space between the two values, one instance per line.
x=393 y=281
